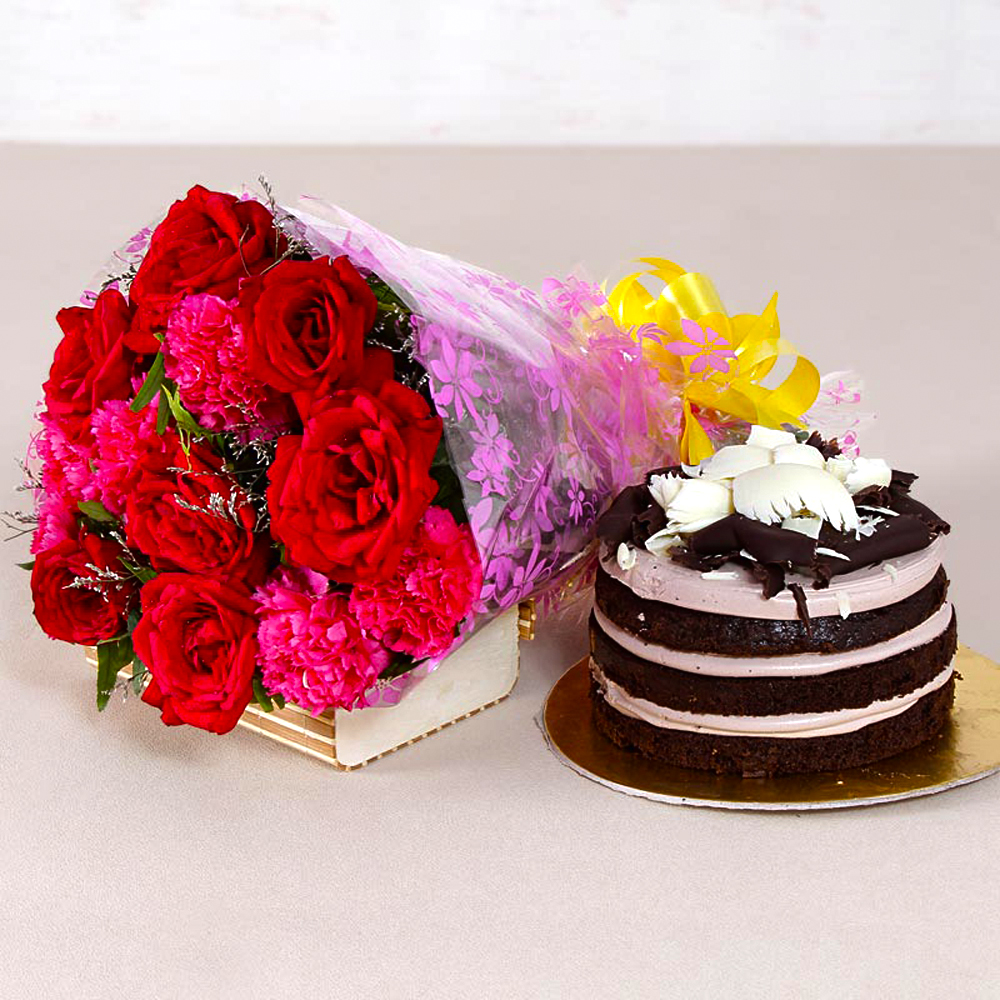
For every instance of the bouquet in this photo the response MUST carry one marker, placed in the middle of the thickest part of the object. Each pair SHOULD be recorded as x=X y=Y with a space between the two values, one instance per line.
x=286 y=458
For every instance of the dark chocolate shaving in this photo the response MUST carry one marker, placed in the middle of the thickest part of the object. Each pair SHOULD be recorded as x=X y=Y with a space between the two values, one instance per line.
x=902 y=481
x=874 y=496
x=703 y=564
x=906 y=506
x=828 y=449
x=800 y=602
x=648 y=523
x=896 y=536
x=615 y=525
x=771 y=575
x=767 y=543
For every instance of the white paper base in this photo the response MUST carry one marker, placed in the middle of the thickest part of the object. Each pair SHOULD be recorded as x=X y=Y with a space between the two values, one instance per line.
x=477 y=675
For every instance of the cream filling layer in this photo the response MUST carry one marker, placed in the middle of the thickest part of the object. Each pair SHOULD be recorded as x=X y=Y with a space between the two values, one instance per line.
x=659 y=578
x=794 y=726
x=791 y=665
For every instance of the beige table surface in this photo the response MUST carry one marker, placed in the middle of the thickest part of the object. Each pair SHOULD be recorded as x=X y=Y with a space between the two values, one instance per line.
x=138 y=861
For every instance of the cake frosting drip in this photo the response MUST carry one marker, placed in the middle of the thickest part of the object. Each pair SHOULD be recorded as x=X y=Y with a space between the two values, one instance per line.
x=789 y=665
x=656 y=578
x=792 y=726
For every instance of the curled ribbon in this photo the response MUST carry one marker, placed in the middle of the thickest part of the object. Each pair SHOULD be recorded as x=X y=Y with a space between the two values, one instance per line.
x=716 y=360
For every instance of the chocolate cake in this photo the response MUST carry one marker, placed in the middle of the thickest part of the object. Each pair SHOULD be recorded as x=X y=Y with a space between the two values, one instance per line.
x=778 y=608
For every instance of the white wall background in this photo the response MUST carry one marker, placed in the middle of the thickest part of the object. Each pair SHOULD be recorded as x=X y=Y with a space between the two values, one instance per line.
x=506 y=71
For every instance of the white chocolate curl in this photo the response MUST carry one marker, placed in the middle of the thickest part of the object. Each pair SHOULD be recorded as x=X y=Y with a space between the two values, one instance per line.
x=777 y=492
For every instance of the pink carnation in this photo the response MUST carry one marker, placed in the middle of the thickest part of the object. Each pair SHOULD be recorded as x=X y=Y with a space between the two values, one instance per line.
x=57 y=522
x=312 y=651
x=67 y=458
x=206 y=356
x=127 y=443
x=437 y=583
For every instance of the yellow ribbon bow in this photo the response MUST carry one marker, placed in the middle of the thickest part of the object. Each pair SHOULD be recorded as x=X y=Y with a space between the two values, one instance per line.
x=716 y=360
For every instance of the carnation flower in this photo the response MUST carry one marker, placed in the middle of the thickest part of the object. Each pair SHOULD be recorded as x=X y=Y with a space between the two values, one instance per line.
x=127 y=443
x=67 y=452
x=205 y=354
x=436 y=585
x=56 y=514
x=312 y=650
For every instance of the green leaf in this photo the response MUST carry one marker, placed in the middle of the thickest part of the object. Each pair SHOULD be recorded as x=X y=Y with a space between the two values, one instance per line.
x=388 y=300
x=152 y=383
x=186 y=424
x=278 y=699
x=142 y=573
x=184 y=419
x=96 y=511
x=139 y=669
x=112 y=656
x=261 y=696
x=139 y=672
x=162 y=413
x=27 y=565
x=400 y=664
x=449 y=494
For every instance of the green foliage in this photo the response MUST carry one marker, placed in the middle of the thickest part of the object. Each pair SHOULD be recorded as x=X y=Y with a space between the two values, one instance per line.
x=96 y=511
x=400 y=664
x=187 y=427
x=150 y=386
x=139 y=669
x=261 y=696
x=449 y=494
x=112 y=656
x=162 y=414
x=142 y=573
x=388 y=300
x=30 y=565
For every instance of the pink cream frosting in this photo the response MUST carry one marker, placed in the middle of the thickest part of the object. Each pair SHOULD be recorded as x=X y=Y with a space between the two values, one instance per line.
x=658 y=578
x=790 y=665
x=792 y=726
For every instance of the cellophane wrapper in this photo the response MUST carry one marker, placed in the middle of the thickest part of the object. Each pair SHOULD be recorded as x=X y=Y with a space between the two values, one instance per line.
x=548 y=407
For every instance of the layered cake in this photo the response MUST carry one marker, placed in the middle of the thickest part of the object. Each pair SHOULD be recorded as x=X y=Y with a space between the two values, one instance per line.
x=778 y=608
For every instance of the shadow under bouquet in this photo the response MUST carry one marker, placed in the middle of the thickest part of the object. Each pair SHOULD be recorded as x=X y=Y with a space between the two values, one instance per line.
x=286 y=458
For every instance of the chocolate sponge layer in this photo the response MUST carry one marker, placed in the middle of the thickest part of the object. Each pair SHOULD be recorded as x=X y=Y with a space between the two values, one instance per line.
x=760 y=756
x=729 y=635
x=852 y=687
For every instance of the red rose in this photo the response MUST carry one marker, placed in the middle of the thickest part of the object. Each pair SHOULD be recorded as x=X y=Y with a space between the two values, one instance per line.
x=92 y=363
x=207 y=243
x=197 y=636
x=80 y=591
x=192 y=516
x=347 y=494
x=305 y=322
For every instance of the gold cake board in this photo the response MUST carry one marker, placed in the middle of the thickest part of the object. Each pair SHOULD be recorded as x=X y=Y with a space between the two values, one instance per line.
x=967 y=749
